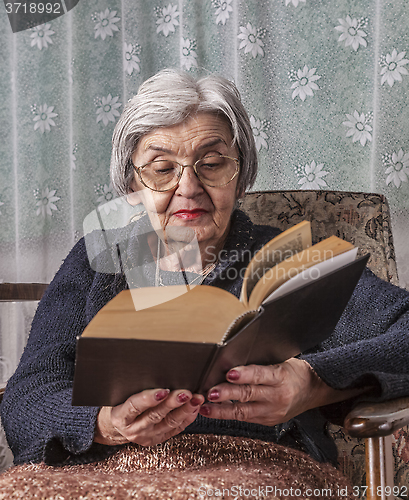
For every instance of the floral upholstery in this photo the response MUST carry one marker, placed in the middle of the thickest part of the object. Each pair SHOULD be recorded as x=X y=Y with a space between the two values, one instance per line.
x=361 y=218
x=364 y=220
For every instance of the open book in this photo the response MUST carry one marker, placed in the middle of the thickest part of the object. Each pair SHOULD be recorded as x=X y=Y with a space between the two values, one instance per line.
x=292 y=296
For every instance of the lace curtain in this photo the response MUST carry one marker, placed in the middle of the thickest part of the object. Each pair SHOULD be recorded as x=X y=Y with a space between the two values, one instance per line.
x=325 y=84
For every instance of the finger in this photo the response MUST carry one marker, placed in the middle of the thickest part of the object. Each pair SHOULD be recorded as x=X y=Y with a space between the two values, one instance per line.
x=175 y=400
x=142 y=411
x=189 y=418
x=243 y=393
x=157 y=413
x=179 y=418
x=271 y=375
x=166 y=432
x=249 y=383
x=149 y=430
x=137 y=404
x=245 y=412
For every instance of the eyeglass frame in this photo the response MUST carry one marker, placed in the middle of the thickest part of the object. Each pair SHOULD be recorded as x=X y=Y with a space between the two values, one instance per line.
x=138 y=171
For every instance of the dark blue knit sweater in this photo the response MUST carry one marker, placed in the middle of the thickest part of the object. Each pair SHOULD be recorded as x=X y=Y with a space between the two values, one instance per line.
x=370 y=346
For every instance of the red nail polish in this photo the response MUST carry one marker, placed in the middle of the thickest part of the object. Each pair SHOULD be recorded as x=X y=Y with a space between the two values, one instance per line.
x=233 y=375
x=182 y=397
x=162 y=394
x=205 y=411
x=196 y=401
x=214 y=394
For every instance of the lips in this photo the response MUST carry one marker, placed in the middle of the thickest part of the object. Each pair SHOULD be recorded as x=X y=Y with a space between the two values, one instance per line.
x=190 y=214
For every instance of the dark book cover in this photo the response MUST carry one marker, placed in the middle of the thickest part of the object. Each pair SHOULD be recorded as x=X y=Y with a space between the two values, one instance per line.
x=109 y=370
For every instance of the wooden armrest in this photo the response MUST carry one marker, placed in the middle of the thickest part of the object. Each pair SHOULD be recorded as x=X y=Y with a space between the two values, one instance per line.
x=377 y=419
x=2 y=389
x=22 y=291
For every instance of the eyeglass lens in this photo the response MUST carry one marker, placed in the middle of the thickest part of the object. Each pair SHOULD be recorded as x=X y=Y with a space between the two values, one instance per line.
x=214 y=171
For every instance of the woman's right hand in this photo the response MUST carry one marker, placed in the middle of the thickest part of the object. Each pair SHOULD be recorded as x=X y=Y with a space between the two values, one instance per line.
x=147 y=418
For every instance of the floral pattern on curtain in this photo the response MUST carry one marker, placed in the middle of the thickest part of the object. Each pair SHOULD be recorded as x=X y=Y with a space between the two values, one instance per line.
x=326 y=85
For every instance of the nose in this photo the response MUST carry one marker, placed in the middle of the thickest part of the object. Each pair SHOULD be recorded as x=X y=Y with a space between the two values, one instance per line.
x=189 y=185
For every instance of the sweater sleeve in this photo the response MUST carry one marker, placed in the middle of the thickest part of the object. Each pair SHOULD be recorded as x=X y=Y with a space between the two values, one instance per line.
x=39 y=421
x=369 y=346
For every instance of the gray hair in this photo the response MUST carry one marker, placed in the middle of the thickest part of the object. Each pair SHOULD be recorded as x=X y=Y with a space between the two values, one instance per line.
x=168 y=98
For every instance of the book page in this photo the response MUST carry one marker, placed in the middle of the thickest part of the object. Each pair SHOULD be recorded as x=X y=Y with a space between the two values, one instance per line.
x=283 y=271
x=293 y=240
x=313 y=273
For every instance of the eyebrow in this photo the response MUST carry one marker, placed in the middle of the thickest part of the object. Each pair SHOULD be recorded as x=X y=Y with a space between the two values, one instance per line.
x=152 y=147
x=209 y=144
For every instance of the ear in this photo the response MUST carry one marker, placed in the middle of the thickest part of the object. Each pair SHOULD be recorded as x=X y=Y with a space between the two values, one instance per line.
x=134 y=198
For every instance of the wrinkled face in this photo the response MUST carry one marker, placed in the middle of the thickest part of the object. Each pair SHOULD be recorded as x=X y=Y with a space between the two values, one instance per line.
x=205 y=210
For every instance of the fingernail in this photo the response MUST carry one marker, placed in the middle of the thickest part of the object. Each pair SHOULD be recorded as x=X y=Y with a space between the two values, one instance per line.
x=162 y=394
x=205 y=411
x=196 y=401
x=182 y=397
x=233 y=375
x=214 y=394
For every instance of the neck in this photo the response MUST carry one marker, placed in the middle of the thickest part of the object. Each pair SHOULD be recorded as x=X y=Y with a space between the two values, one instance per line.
x=190 y=256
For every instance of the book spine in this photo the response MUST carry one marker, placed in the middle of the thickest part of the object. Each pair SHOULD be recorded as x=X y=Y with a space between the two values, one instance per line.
x=213 y=356
x=234 y=352
x=237 y=324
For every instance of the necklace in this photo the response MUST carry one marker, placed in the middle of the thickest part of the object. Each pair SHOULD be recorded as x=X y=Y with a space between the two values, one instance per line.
x=198 y=280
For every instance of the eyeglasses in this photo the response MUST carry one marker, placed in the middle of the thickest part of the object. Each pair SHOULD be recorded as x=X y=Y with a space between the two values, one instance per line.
x=164 y=175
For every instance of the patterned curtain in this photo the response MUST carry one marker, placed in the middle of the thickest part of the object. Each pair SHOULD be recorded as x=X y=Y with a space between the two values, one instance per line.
x=325 y=83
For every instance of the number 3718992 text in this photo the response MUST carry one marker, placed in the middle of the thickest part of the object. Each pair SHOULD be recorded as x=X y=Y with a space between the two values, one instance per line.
x=33 y=8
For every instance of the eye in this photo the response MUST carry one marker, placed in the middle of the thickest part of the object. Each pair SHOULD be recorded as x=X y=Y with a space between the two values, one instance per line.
x=162 y=167
x=159 y=171
x=212 y=162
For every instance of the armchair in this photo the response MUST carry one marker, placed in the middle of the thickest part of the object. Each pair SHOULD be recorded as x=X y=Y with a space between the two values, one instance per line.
x=364 y=220
x=14 y=292
x=20 y=292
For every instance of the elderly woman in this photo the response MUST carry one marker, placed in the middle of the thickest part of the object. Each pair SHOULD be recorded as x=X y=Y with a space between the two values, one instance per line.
x=185 y=149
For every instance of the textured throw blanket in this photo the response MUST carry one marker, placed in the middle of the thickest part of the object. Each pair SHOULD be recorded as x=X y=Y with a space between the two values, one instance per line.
x=185 y=467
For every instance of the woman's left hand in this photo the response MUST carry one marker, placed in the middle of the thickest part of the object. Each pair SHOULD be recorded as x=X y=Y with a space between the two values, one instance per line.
x=270 y=395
